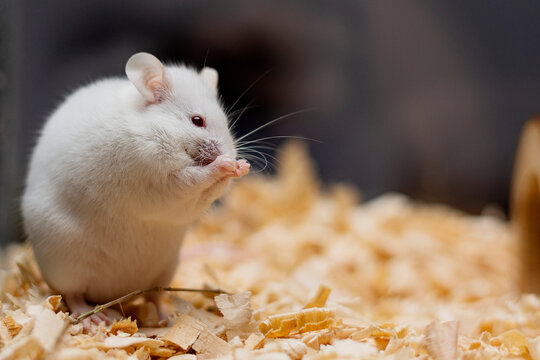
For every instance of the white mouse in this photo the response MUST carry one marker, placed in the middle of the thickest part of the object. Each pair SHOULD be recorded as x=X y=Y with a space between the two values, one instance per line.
x=119 y=172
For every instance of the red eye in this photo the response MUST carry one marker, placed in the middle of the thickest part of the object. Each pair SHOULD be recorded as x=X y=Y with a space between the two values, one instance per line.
x=198 y=121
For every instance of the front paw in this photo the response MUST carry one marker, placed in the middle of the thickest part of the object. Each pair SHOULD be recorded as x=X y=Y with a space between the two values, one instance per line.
x=242 y=168
x=229 y=167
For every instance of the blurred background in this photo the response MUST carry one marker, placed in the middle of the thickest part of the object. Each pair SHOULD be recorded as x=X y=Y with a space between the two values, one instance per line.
x=422 y=97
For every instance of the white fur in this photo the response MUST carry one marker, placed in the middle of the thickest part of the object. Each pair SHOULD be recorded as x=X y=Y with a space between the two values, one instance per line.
x=112 y=187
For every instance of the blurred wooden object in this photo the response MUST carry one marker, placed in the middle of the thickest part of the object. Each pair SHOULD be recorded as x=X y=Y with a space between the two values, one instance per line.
x=526 y=205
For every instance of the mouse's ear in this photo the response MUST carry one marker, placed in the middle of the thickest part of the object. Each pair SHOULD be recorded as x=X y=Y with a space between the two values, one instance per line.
x=210 y=77
x=147 y=73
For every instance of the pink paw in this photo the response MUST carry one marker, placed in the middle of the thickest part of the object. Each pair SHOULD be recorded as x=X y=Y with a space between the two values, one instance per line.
x=225 y=164
x=228 y=167
x=96 y=319
x=79 y=306
x=242 y=168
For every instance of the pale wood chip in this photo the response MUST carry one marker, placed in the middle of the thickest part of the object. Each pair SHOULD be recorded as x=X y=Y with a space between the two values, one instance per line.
x=5 y=336
x=48 y=328
x=294 y=348
x=184 y=357
x=441 y=340
x=162 y=352
x=254 y=341
x=142 y=353
x=12 y=326
x=153 y=332
x=114 y=341
x=238 y=315
x=119 y=354
x=127 y=326
x=53 y=302
x=351 y=349
x=533 y=345
x=320 y=297
x=73 y=353
x=236 y=342
x=27 y=269
x=275 y=356
x=184 y=332
x=27 y=347
x=513 y=341
x=209 y=346
x=401 y=354
x=315 y=339
x=372 y=331
x=298 y=322
x=212 y=322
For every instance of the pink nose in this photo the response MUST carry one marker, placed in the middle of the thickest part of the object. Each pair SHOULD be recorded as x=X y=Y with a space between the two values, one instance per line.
x=208 y=152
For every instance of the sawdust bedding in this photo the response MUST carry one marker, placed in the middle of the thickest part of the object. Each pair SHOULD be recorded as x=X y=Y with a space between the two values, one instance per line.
x=314 y=274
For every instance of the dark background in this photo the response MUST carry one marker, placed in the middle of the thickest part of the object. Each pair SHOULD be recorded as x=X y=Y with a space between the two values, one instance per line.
x=421 y=97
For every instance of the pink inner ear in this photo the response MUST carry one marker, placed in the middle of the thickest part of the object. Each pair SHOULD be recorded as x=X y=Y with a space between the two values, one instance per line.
x=154 y=82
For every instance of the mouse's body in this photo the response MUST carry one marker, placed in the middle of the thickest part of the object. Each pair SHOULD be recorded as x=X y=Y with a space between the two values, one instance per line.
x=119 y=173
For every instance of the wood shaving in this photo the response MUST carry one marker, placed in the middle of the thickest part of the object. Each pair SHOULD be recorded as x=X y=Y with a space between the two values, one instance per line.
x=315 y=339
x=48 y=328
x=161 y=352
x=393 y=268
x=142 y=353
x=209 y=346
x=294 y=348
x=184 y=357
x=23 y=348
x=513 y=341
x=297 y=322
x=254 y=341
x=127 y=326
x=533 y=345
x=53 y=302
x=70 y=353
x=320 y=297
x=237 y=313
x=115 y=341
x=184 y=332
x=13 y=328
x=441 y=340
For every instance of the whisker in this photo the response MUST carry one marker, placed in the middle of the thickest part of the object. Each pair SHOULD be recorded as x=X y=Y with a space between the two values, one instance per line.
x=247 y=150
x=248 y=106
x=259 y=143
x=264 y=147
x=276 y=137
x=273 y=121
x=257 y=160
x=206 y=57
x=261 y=153
x=249 y=88
x=251 y=152
x=235 y=112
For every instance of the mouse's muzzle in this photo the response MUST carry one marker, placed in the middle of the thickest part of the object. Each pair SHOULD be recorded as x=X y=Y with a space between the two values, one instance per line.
x=207 y=151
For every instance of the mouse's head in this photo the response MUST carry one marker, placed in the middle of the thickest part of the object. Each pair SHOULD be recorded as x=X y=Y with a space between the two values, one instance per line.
x=182 y=115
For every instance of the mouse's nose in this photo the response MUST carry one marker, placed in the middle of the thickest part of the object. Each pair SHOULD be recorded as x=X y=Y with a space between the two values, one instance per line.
x=208 y=152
